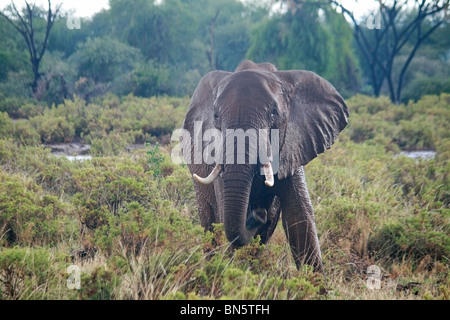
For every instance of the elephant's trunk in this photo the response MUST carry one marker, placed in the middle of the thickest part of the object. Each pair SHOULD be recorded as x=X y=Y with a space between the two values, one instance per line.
x=237 y=188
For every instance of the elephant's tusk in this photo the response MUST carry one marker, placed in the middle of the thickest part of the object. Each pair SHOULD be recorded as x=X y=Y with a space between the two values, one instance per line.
x=212 y=176
x=269 y=174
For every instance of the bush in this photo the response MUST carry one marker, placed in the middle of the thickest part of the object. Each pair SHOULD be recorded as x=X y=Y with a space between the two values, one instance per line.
x=414 y=238
x=30 y=273
x=53 y=129
x=19 y=130
x=109 y=145
x=416 y=126
x=425 y=86
x=104 y=59
x=109 y=124
x=29 y=217
x=130 y=220
x=17 y=87
x=5 y=124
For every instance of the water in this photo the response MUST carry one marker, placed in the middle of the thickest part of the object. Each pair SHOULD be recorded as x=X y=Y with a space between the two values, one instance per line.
x=420 y=155
x=77 y=158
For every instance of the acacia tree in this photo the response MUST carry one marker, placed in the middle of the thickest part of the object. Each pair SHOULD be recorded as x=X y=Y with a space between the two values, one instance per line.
x=397 y=32
x=28 y=22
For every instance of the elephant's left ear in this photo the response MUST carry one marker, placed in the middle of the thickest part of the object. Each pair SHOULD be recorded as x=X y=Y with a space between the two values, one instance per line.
x=318 y=114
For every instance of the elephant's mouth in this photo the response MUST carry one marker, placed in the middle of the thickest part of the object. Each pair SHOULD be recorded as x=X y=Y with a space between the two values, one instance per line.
x=259 y=201
x=256 y=217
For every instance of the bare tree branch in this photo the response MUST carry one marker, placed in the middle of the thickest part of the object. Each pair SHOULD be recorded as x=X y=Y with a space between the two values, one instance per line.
x=24 y=24
x=394 y=36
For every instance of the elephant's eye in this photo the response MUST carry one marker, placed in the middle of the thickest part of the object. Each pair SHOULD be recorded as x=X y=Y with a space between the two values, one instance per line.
x=216 y=116
x=274 y=114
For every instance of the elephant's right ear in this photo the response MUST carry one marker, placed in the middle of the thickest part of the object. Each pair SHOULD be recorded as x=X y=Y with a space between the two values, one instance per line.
x=317 y=114
x=202 y=102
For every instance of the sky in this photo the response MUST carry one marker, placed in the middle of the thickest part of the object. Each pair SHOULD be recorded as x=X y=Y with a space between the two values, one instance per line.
x=82 y=8
x=87 y=8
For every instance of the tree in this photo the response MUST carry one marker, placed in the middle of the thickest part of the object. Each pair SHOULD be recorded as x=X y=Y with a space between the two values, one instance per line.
x=223 y=30
x=104 y=64
x=212 y=37
x=392 y=33
x=28 y=24
x=313 y=37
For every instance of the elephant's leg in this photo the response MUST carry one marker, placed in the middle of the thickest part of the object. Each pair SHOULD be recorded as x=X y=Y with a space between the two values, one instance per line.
x=206 y=198
x=298 y=221
x=207 y=206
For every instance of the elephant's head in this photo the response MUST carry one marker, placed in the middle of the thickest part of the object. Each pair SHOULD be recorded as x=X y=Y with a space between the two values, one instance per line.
x=306 y=110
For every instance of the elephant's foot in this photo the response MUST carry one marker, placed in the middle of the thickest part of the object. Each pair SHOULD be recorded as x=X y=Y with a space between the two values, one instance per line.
x=256 y=218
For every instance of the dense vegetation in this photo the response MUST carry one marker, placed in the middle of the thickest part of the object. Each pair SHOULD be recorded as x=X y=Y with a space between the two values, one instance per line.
x=129 y=219
x=150 y=48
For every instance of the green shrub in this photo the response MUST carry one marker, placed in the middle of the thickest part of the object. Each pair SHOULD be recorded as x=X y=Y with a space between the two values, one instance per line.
x=425 y=86
x=130 y=220
x=29 y=217
x=5 y=125
x=425 y=182
x=12 y=106
x=415 y=135
x=6 y=155
x=29 y=110
x=98 y=284
x=23 y=133
x=362 y=104
x=20 y=130
x=53 y=129
x=31 y=273
x=415 y=126
x=112 y=144
x=423 y=234
x=52 y=173
x=75 y=111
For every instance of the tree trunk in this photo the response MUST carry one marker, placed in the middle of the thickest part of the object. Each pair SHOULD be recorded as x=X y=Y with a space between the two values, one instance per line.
x=212 y=55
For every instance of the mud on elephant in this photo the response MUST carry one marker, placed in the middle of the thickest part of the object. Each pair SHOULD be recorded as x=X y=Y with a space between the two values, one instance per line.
x=307 y=114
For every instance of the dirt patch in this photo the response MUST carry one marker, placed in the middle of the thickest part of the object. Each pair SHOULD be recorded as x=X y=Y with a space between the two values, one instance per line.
x=69 y=149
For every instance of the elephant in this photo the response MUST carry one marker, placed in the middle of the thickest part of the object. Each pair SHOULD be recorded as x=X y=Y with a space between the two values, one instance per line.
x=307 y=113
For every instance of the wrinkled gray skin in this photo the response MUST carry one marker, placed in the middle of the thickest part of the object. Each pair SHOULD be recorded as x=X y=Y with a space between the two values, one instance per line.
x=309 y=113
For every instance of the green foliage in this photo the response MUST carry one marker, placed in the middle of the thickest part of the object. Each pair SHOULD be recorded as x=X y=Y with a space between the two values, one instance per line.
x=155 y=158
x=423 y=235
x=29 y=273
x=11 y=105
x=5 y=123
x=129 y=220
x=109 y=124
x=303 y=40
x=19 y=130
x=154 y=48
x=109 y=144
x=29 y=217
x=53 y=129
x=389 y=208
x=98 y=284
x=150 y=79
x=5 y=64
x=425 y=86
x=417 y=126
x=104 y=59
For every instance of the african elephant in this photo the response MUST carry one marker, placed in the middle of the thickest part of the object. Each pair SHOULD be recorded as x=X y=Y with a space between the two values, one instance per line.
x=307 y=113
